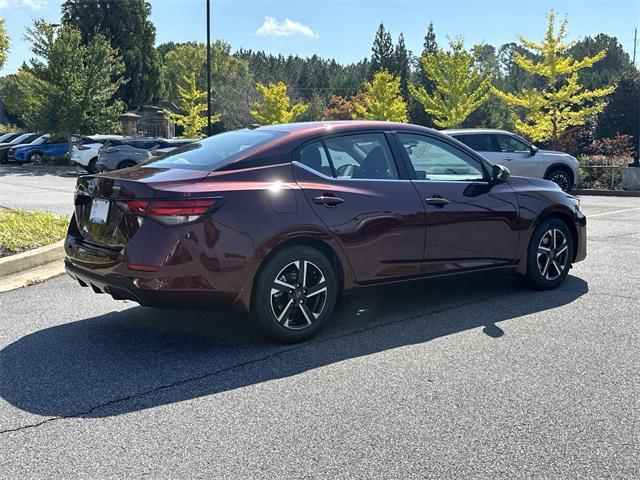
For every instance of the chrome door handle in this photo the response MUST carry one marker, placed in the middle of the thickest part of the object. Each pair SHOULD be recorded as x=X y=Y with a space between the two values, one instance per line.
x=437 y=201
x=328 y=200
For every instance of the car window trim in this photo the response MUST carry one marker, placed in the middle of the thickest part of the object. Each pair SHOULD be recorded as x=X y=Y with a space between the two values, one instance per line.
x=412 y=172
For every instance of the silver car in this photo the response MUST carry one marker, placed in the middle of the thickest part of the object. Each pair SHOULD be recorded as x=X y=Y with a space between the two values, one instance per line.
x=519 y=156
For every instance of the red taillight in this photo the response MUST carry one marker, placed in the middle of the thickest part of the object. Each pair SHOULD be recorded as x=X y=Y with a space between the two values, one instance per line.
x=172 y=211
x=138 y=267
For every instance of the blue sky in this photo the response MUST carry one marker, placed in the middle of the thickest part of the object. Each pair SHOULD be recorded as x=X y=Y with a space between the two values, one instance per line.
x=344 y=29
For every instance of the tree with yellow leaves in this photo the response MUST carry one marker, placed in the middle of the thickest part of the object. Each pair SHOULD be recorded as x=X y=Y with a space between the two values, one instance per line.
x=276 y=106
x=192 y=102
x=382 y=100
x=545 y=113
x=459 y=86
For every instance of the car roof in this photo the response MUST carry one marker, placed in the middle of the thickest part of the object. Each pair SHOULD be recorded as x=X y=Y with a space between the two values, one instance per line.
x=338 y=125
x=472 y=131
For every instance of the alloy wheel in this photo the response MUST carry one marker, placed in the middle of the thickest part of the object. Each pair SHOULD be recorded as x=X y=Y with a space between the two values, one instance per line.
x=298 y=294
x=553 y=254
x=561 y=179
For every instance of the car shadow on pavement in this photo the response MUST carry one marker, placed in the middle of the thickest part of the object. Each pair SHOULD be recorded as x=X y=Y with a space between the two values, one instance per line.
x=140 y=358
x=31 y=170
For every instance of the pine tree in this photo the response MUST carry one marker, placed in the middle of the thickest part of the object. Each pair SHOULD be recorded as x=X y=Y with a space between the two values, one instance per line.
x=547 y=112
x=402 y=70
x=382 y=57
x=276 y=105
x=382 y=100
x=459 y=87
x=416 y=111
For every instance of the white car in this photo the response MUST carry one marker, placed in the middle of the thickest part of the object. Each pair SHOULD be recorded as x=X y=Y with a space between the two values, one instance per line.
x=84 y=152
x=519 y=156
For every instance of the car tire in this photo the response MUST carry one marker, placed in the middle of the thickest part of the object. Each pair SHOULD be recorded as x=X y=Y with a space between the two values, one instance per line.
x=91 y=166
x=549 y=255
x=126 y=164
x=35 y=157
x=295 y=294
x=562 y=178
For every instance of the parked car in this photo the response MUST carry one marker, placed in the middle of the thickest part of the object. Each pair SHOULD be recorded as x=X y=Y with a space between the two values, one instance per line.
x=7 y=137
x=22 y=140
x=521 y=157
x=125 y=152
x=46 y=147
x=84 y=151
x=166 y=146
x=281 y=221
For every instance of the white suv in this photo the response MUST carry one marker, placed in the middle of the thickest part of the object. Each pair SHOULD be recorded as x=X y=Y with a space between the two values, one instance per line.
x=84 y=151
x=519 y=156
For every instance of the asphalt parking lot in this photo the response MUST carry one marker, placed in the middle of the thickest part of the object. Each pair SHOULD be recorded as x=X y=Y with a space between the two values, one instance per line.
x=473 y=377
x=38 y=187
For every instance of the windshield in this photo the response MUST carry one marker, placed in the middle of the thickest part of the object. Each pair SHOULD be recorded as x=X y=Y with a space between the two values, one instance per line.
x=21 y=138
x=216 y=151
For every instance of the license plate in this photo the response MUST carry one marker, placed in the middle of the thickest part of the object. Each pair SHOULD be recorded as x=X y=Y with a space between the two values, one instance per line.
x=99 y=211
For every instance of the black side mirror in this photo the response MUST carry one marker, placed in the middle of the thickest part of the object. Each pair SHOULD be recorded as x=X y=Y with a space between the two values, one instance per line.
x=533 y=150
x=500 y=173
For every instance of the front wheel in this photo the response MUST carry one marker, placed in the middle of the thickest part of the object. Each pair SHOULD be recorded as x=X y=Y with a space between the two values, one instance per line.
x=561 y=178
x=35 y=157
x=295 y=294
x=550 y=254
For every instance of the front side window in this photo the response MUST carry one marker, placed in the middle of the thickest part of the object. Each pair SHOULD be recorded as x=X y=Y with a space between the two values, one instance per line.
x=362 y=156
x=510 y=144
x=434 y=159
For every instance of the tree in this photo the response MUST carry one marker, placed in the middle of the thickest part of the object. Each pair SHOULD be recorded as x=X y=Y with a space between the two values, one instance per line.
x=429 y=47
x=382 y=57
x=126 y=25
x=69 y=87
x=622 y=112
x=401 y=65
x=4 y=43
x=192 y=101
x=608 y=70
x=339 y=108
x=459 y=87
x=383 y=100
x=276 y=105
x=547 y=112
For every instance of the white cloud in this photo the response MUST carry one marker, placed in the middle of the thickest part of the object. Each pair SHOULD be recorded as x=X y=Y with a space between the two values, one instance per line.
x=32 y=4
x=286 y=28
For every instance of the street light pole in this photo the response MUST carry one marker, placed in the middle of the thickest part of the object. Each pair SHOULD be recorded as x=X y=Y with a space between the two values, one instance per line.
x=208 y=68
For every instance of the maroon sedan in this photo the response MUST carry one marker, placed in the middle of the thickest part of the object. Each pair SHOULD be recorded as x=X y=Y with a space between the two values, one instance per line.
x=280 y=221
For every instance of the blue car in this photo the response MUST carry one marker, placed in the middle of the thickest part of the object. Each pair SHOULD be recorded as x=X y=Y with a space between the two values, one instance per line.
x=46 y=147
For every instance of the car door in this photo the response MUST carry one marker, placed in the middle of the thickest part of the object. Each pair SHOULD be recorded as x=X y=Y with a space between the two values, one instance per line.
x=471 y=222
x=353 y=184
x=516 y=155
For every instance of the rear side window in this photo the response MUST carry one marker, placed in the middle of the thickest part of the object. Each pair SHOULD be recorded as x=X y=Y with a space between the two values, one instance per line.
x=478 y=142
x=216 y=151
x=362 y=156
x=509 y=144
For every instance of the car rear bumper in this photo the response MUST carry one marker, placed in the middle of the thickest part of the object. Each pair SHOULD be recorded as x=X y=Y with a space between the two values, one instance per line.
x=135 y=289
x=581 y=244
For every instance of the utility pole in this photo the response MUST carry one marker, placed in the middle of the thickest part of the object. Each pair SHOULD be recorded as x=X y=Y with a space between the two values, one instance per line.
x=208 y=68
x=635 y=43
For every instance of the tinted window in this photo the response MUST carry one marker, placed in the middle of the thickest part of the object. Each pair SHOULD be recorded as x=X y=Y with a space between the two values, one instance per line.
x=216 y=151
x=510 y=144
x=25 y=138
x=434 y=159
x=478 y=142
x=315 y=157
x=365 y=156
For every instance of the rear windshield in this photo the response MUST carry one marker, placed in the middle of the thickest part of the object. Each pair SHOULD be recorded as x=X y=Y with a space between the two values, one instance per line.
x=216 y=151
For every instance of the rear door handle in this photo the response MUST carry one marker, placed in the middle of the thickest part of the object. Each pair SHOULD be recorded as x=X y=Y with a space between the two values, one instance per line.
x=328 y=200
x=437 y=201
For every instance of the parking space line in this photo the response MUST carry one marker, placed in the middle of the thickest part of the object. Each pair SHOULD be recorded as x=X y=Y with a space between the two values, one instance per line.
x=615 y=211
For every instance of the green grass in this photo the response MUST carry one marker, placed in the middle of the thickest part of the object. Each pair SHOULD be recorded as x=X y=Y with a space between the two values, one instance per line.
x=21 y=230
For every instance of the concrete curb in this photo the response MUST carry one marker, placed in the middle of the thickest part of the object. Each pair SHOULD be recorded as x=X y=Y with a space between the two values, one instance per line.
x=606 y=193
x=33 y=258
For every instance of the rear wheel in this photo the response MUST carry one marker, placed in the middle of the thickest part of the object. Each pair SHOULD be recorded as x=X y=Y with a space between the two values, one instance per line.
x=562 y=178
x=295 y=294
x=91 y=167
x=549 y=255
